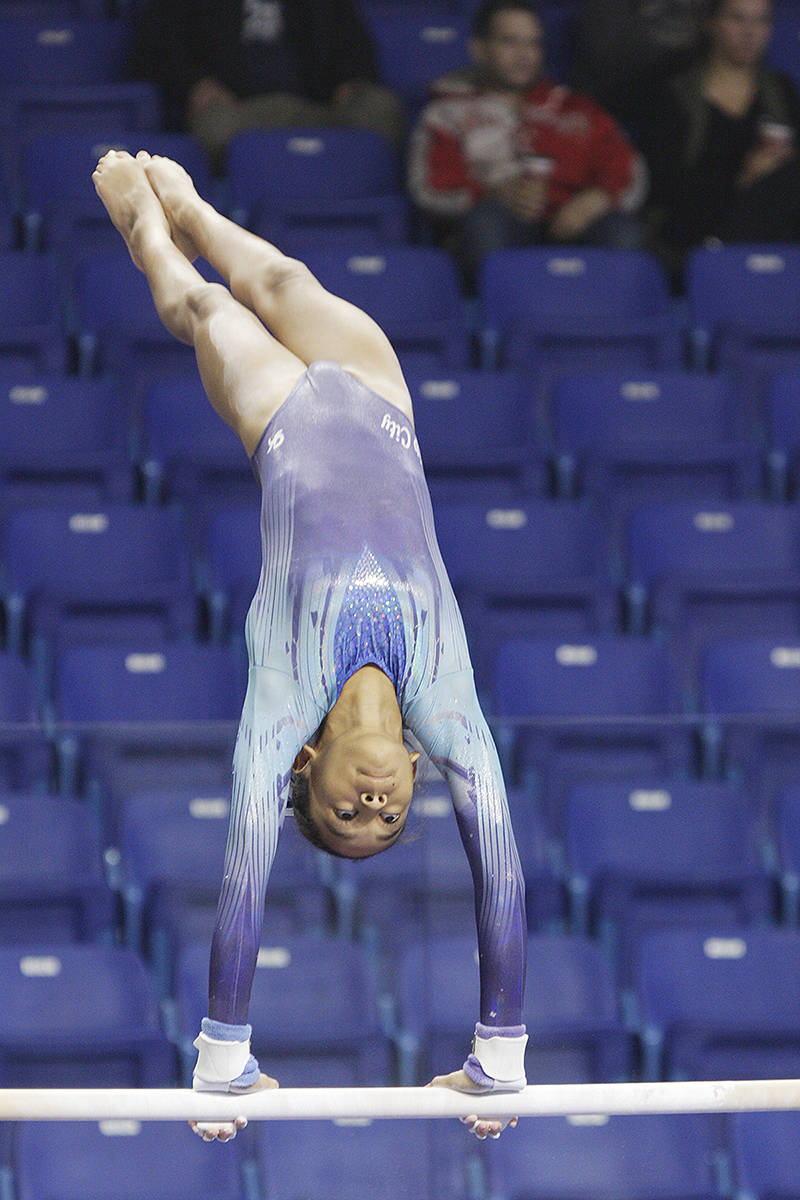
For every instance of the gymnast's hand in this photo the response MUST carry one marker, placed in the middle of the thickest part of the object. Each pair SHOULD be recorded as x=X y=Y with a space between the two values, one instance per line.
x=225 y=1131
x=482 y=1127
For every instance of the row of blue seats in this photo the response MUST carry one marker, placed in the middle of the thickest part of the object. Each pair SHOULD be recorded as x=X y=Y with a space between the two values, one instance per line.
x=752 y=1157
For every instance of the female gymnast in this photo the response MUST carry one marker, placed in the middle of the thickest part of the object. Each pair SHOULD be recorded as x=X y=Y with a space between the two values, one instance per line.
x=354 y=635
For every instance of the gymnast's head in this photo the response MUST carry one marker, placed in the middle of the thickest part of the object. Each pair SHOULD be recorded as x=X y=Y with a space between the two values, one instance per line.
x=351 y=793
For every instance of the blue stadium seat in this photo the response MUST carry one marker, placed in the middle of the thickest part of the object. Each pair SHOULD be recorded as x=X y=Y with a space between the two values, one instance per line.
x=122 y=1160
x=346 y=1160
x=719 y=1002
x=77 y=1015
x=120 y=572
x=317 y=183
x=60 y=206
x=784 y=47
x=476 y=425
x=411 y=291
x=313 y=1009
x=655 y=853
x=538 y=567
x=24 y=755
x=63 y=441
x=115 y=324
x=149 y=715
x=627 y=437
x=786 y=831
x=52 y=885
x=416 y=44
x=766 y=1154
x=37 y=51
x=229 y=568
x=750 y=692
x=591 y=709
x=744 y=312
x=783 y=434
x=31 y=315
x=582 y=1158
x=42 y=108
x=576 y=309
x=172 y=845
x=700 y=571
x=570 y=1009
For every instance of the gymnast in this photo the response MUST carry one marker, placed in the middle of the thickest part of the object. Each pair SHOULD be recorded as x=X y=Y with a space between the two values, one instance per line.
x=356 y=646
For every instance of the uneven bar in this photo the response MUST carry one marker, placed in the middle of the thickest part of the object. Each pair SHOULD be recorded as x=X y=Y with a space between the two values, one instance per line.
x=362 y=1103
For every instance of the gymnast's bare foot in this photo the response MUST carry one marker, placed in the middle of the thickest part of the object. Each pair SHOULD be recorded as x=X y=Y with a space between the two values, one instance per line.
x=131 y=203
x=176 y=191
x=482 y=1127
x=226 y=1131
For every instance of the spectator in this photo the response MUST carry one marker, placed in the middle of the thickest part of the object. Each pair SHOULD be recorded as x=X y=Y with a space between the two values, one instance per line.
x=722 y=141
x=501 y=156
x=622 y=46
x=229 y=65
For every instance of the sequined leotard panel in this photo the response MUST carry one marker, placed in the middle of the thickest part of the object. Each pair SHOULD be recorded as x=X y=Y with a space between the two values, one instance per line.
x=351 y=574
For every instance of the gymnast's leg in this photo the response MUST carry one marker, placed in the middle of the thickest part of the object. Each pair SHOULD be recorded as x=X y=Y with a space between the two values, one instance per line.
x=246 y=372
x=307 y=319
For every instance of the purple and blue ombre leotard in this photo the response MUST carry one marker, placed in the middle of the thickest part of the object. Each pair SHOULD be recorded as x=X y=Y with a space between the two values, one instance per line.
x=352 y=574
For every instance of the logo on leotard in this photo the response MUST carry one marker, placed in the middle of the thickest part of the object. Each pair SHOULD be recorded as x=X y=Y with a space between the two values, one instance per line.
x=276 y=441
x=400 y=433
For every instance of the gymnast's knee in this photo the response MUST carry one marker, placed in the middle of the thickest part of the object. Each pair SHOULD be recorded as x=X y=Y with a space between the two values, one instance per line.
x=195 y=307
x=269 y=280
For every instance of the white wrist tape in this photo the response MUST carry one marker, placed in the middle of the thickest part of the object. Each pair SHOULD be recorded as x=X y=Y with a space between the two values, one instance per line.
x=501 y=1058
x=218 y=1063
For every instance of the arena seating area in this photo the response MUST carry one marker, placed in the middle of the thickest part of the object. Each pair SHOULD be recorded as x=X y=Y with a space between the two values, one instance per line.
x=615 y=475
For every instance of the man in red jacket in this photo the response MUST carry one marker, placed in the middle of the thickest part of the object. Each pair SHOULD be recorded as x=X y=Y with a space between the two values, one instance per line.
x=502 y=156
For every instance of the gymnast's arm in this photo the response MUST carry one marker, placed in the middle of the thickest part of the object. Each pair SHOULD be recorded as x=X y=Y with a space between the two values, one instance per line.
x=448 y=722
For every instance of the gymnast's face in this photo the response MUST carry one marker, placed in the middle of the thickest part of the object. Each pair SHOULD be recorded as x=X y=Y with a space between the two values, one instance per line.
x=360 y=788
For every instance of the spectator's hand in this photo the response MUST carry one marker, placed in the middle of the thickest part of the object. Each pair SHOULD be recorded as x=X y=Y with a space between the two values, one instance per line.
x=577 y=214
x=482 y=1127
x=525 y=197
x=763 y=160
x=206 y=92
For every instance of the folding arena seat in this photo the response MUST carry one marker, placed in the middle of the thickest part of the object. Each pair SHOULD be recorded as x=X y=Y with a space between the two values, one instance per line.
x=786 y=833
x=576 y=308
x=313 y=1009
x=172 y=846
x=701 y=571
x=750 y=695
x=345 y=1160
x=416 y=44
x=24 y=754
x=229 y=568
x=115 y=325
x=627 y=437
x=782 y=404
x=153 y=714
x=719 y=1002
x=476 y=426
x=766 y=1159
x=655 y=854
x=122 y=1160
x=590 y=709
x=784 y=47
x=538 y=566
x=317 y=183
x=52 y=885
x=630 y=1158
x=187 y=453
x=120 y=572
x=79 y=1016
x=411 y=291
x=31 y=311
x=77 y=50
x=41 y=108
x=570 y=1009
x=744 y=311
x=64 y=441
x=60 y=206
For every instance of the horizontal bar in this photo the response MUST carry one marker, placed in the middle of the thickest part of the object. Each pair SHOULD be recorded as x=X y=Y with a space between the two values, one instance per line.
x=359 y=1103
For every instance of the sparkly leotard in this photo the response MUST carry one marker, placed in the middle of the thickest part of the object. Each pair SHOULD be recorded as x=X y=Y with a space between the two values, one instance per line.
x=351 y=574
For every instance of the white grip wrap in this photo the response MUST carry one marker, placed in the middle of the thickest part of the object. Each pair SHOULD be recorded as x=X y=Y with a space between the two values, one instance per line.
x=218 y=1063
x=501 y=1058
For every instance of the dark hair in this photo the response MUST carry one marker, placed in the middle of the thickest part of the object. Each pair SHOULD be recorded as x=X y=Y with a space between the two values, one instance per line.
x=488 y=10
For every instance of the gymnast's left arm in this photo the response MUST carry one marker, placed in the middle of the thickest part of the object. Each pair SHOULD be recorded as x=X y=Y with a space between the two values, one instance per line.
x=450 y=726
